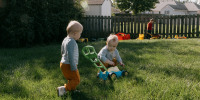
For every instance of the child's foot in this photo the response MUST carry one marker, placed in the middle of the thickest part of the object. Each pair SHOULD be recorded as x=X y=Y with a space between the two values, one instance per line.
x=75 y=91
x=61 y=90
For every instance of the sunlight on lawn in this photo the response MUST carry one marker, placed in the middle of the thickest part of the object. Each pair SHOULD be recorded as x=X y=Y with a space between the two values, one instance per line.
x=158 y=69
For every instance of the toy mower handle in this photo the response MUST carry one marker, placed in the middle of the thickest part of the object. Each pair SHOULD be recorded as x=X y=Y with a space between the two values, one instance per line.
x=88 y=50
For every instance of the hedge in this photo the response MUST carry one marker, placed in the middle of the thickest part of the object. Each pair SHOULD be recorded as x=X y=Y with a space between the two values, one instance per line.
x=34 y=22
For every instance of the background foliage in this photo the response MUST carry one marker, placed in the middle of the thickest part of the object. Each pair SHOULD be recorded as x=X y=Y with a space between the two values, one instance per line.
x=136 y=6
x=32 y=22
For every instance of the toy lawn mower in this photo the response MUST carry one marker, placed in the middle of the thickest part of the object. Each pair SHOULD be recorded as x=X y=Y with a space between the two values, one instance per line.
x=90 y=53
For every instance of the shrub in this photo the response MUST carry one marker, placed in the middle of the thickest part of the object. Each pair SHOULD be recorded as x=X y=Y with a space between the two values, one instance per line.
x=33 y=22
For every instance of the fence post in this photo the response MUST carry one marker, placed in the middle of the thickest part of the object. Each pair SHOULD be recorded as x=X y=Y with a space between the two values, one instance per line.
x=160 y=23
x=101 y=25
x=190 y=23
x=174 y=27
x=92 y=26
x=171 y=19
x=193 y=26
x=128 y=25
x=125 y=19
x=186 y=26
x=114 y=22
x=85 y=27
x=139 y=25
x=167 y=31
x=111 y=25
x=132 y=33
x=135 y=19
x=197 y=32
x=164 y=22
x=118 y=24
x=121 y=21
x=97 y=25
x=132 y=17
x=105 y=25
x=178 y=25
x=108 y=25
x=156 y=25
x=182 y=23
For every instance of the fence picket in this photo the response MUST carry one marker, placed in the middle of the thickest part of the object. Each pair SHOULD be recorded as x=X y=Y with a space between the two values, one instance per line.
x=167 y=31
x=164 y=26
x=156 y=25
x=135 y=19
x=160 y=23
x=197 y=32
x=178 y=25
x=174 y=27
x=170 y=33
x=182 y=23
x=125 y=24
x=193 y=26
x=186 y=26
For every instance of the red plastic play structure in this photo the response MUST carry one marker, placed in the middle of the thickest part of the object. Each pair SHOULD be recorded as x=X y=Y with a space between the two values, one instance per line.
x=123 y=36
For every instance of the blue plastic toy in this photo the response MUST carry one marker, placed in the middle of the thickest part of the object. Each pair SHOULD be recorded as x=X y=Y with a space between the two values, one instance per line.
x=90 y=53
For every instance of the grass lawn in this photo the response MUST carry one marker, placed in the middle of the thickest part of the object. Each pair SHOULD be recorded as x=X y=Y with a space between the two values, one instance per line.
x=158 y=69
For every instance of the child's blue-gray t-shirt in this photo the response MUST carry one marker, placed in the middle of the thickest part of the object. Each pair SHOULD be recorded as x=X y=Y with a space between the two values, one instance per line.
x=69 y=51
x=104 y=55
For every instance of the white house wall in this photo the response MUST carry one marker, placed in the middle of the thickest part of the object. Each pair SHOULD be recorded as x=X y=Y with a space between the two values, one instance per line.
x=106 y=8
x=94 y=10
x=172 y=11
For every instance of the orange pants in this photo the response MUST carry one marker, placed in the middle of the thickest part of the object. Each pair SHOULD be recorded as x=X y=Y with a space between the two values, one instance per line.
x=107 y=65
x=73 y=77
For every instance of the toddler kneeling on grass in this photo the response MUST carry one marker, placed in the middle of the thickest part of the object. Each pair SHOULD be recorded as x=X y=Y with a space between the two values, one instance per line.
x=109 y=55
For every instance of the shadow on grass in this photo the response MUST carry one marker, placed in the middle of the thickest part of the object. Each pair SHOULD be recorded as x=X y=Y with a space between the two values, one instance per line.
x=24 y=60
x=76 y=96
x=48 y=58
x=15 y=89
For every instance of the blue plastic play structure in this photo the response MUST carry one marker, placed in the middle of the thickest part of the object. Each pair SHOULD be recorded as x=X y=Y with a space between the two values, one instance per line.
x=90 y=53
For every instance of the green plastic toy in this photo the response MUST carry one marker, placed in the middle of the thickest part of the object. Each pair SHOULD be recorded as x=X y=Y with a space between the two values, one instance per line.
x=90 y=53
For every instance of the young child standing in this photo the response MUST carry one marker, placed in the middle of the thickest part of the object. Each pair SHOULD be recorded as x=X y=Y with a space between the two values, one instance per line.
x=149 y=28
x=69 y=60
x=109 y=55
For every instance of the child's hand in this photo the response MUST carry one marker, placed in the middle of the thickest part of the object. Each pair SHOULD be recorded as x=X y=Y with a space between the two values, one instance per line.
x=111 y=63
x=122 y=64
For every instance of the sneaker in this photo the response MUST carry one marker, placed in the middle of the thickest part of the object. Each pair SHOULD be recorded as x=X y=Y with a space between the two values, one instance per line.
x=61 y=90
x=75 y=91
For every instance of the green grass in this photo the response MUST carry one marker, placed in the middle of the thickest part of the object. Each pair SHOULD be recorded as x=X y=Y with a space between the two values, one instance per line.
x=158 y=69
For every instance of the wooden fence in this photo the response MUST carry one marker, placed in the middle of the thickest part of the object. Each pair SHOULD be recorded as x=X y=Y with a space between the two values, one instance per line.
x=166 y=26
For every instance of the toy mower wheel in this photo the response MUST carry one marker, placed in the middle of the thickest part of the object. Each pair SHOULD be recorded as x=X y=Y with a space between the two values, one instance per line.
x=98 y=75
x=124 y=73
x=113 y=76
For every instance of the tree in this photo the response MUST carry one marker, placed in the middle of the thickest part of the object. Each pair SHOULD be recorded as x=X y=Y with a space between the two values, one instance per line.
x=136 y=6
x=32 y=22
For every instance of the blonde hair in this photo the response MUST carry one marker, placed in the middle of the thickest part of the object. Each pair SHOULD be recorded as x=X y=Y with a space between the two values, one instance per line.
x=112 y=38
x=74 y=27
